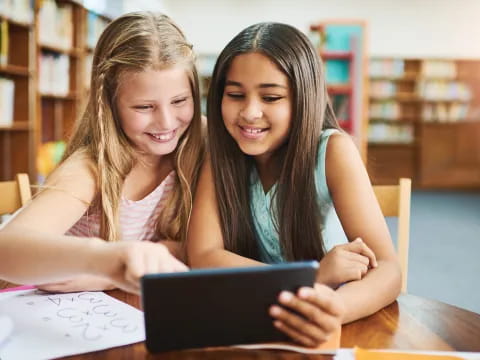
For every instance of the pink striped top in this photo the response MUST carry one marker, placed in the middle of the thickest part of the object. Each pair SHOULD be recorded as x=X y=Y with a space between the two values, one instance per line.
x=137 y=218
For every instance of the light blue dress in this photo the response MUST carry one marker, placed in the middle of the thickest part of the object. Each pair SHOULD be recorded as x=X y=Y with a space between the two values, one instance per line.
x=261 y=205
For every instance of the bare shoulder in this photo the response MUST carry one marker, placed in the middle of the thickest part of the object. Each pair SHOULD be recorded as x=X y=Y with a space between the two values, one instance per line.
x=340 y=146
x=77 y=175
x=344 y=166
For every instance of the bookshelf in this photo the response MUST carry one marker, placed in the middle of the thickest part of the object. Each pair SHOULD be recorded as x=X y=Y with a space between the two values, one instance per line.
x=342 y=47
x=46 y=50
x=17 y=77
x=424 y=122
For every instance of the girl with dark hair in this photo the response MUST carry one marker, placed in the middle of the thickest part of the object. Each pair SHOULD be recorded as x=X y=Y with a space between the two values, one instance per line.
x=278 y=165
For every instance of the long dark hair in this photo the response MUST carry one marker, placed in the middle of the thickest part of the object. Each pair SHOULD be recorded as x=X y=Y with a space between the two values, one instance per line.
x=298 y=218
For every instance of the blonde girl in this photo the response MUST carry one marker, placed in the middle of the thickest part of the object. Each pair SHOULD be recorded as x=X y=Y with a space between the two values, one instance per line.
x=278 y=165
x=130 y=168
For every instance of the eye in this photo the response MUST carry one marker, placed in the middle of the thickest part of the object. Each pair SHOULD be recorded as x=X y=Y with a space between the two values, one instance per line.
x=143 y=107
x=235 y=95
x=271 y=98
x=179 y=101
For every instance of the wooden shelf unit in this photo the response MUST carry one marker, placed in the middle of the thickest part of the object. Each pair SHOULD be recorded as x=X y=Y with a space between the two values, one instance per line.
x=17 y=146
x=444 y=150
x=42 y=115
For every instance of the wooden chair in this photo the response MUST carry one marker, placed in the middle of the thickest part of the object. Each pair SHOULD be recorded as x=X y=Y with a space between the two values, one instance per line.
x=394 y=200
x=14 y=194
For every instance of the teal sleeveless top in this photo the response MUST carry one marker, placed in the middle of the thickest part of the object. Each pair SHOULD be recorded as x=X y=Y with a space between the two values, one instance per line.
x=261 y=207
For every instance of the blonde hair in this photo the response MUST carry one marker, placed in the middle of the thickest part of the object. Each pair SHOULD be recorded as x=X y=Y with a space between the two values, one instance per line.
x=136 y=42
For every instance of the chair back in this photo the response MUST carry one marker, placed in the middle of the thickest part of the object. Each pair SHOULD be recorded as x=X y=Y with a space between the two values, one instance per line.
x=14 y=194
x=394 y=200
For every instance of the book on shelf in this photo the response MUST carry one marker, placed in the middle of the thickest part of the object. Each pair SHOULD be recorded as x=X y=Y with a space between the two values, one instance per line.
x=17 y=10
x=382 y=88
x=438 y=68
x=443 y=90
x=54 y=70
x=7 y=98
x=392 y=68
x=385 y=110
x=390 y=134
x=4 y=40
x=55 y=23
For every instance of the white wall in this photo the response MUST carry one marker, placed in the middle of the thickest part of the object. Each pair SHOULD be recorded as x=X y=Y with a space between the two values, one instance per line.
x=423 y=28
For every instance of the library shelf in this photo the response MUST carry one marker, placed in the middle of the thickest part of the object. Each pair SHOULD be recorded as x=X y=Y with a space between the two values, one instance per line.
x=75 y=52
x=436 y=101
x=40 y=114
x=14 y=70
x=16 y=126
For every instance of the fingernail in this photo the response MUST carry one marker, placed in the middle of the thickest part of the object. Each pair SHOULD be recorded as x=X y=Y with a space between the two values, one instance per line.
x=277 y=324
x=285 y=296
x=305 y=292
x=274 y=310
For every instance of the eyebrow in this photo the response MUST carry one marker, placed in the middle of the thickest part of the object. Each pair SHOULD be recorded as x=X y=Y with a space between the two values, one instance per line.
x=262 y=86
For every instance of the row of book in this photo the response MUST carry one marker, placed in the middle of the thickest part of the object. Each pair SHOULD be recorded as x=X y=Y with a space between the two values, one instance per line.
x=17 y=10
x=388 y=110
x=439 y=68
x=394 y=68
x=7 y=98
x=382 y=88
x=4 y=42
x=444 y=112
x=390 y=133
x=443 y=90
x=56 y=24
x=54 y=73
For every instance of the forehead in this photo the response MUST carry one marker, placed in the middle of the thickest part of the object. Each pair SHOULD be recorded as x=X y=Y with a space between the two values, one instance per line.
x=153 y=80
x=255 y=67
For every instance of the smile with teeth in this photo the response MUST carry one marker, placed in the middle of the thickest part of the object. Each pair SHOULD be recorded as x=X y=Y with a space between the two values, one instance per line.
x=163 y=136
x=253 y=130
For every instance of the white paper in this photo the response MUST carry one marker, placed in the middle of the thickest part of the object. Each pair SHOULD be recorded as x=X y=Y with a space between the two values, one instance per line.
x=287 y=347
x=49 y=325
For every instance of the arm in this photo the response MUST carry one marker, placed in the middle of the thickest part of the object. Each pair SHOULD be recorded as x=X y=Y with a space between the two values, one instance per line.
x=320 y=308
x=205 y=246
x=34 y=250
x=361 y=217
x=32 y=242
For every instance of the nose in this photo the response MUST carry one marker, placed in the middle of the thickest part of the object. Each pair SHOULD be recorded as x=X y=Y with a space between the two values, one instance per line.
x=165 y=117
x=251 y=111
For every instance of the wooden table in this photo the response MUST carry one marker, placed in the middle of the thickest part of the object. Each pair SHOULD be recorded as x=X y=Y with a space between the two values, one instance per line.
x=411 y=322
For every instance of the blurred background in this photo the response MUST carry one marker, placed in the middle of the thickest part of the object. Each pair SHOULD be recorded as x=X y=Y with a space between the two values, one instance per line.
x=403 y=77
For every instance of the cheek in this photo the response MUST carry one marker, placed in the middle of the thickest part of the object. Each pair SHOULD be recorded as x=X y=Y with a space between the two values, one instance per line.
x=185 y=114
x=133 y=122
x=227 y=112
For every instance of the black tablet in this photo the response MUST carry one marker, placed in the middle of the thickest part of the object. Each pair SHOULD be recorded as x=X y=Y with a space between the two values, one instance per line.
x=217 y=307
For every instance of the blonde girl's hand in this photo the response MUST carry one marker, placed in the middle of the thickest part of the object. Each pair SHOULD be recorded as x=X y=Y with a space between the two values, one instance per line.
x=346 y=263
x=309 y=317
x=129 y=261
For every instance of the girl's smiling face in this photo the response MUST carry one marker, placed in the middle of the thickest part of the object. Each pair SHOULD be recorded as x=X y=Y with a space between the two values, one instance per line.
x=155 y=108
x=257 y=105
